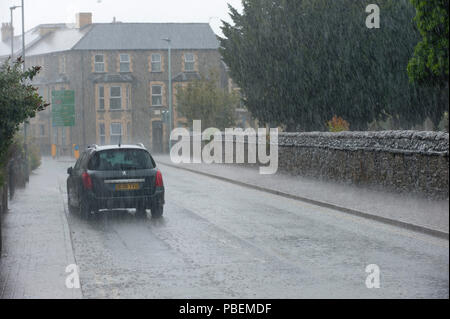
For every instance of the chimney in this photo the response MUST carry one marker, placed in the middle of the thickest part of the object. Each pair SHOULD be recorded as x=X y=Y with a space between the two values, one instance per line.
x=6 y=31
x=83 y=19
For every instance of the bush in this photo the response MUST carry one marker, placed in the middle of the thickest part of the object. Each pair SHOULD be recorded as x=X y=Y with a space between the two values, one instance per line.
x=19 y=101
x=338 y=124
x=34 y=156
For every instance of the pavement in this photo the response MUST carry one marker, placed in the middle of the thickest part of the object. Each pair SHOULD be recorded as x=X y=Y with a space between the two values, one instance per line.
x=37 y=246
x=216 y=240
x=408 y=211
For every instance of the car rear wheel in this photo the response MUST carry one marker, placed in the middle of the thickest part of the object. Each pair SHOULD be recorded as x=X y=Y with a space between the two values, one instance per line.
x=85 y=208
x=157 y=211
x=141 y=213
x=69 y=201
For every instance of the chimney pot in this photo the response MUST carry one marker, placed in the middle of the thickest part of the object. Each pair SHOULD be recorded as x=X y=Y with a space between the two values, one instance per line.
x=6 y=31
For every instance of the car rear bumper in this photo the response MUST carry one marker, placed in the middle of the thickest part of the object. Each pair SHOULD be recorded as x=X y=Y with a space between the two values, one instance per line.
x=147 y=201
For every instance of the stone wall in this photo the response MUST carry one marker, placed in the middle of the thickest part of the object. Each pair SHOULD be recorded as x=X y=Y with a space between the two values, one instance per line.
x=400 y=161
x=403 y=161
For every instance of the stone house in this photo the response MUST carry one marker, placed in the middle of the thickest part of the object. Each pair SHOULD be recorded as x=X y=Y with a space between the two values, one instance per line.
x=119 y=74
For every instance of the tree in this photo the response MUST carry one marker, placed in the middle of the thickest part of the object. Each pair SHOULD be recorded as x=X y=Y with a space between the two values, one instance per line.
x=429 y=65
x=19 y=101
x=203 y=100
x=299 y=63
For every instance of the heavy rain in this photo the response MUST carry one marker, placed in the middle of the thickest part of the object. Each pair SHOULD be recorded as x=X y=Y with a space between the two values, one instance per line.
x=224 y=149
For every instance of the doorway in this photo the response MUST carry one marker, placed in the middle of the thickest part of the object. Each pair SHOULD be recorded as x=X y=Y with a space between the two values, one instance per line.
x=157 y=134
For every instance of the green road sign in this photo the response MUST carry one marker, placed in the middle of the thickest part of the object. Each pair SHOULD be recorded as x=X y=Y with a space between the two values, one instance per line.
x=63 y=108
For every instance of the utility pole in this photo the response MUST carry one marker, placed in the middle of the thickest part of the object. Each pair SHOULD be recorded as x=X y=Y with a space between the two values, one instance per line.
x=170 y=89
x=25 y=143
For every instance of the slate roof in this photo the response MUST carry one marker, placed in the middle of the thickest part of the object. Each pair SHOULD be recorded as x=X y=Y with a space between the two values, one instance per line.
x=34 y=38
x=115 y=36
x=116 y=78
x=186 y=76
x=57 y=41
x=147 y=36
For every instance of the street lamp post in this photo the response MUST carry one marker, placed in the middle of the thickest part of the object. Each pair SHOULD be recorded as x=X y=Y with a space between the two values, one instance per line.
x=23 y=36
x=25 y=146
x=170 y=90
x=11 y=9
x=25 y=142
x=12 y=31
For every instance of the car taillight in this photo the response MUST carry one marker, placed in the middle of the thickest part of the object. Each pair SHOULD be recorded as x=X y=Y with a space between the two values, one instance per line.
x=159 y=180
x=87 y=181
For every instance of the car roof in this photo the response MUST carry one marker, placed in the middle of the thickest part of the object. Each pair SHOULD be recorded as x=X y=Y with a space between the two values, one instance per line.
x=115 y=146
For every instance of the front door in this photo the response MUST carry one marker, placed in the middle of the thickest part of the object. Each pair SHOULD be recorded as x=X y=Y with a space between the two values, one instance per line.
x=157 y=131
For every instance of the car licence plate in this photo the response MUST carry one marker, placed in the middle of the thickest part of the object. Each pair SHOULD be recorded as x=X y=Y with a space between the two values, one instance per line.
x=127 y=186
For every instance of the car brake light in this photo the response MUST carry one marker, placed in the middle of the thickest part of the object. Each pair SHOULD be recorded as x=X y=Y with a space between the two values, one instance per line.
x=159 y=180
x=87 y=181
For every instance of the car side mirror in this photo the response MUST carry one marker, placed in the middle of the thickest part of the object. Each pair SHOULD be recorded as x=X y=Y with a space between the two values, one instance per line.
x=69 y=171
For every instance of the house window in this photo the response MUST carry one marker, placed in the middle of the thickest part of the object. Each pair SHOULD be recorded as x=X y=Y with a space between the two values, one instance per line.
x=101 y=97
x=156 y=62
x=42 y=130
x=116 y=133
x=129 y=132
x=124 y=63
x=63 y=65
x=156 y=95
x=99 y=63
x=127 y=97
x=189 y=62
x=115 y=98
x=102 y=133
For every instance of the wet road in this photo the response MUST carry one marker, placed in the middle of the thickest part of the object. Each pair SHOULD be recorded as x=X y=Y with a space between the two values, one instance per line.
x=219 y=240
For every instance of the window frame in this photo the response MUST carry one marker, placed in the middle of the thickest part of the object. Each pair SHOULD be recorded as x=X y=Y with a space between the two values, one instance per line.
x=111 y=134
x=124 y=62
x=160 y=95
x=156 y=62
x=129 y=132
x=128 y=97
x=111 y=97
x=101 y=97
x=188 y=62
x=63 y=65
x=102 y=137
x=102 y=64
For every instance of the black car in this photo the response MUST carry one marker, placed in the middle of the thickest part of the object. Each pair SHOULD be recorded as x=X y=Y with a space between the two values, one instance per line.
x=115 y=176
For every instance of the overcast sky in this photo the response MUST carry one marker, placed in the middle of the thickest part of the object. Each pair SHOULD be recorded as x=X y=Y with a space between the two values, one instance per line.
x=56 y=11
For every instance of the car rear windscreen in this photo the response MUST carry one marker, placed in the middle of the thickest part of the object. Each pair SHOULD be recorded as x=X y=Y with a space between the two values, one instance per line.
x=121 y=159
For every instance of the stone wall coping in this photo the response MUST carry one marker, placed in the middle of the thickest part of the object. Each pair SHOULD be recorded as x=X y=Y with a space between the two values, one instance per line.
x=401 y=142
x=420 y=135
